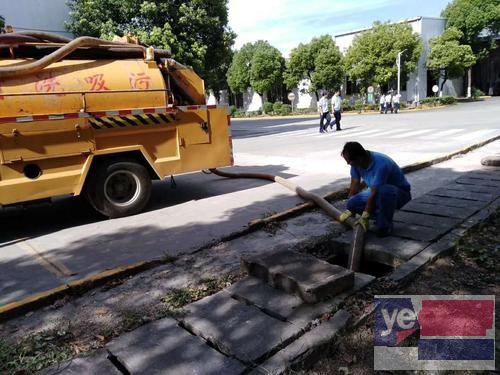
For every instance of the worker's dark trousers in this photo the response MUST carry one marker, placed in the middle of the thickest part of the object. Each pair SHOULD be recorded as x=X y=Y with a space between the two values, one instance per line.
x=389 y=198
x=324 y=116
x=338 y=116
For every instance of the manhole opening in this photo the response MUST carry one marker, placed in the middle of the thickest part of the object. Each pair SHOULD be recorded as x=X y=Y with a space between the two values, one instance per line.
x=368 y=267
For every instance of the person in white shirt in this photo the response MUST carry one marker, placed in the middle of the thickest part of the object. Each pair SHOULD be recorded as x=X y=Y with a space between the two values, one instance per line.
x=395 y=100
x=337 y=110
x=382 y=102
x=388 y=99
x=324 y=112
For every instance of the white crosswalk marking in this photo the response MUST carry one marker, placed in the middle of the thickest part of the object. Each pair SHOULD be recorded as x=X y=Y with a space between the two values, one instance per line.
x=442 y=133
x=358 y=133
x=394 y=131
x=475 y=134
x=407 y=134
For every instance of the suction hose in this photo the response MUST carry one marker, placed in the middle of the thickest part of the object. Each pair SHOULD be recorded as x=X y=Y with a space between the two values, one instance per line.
x=358 y=240
x=60 y=53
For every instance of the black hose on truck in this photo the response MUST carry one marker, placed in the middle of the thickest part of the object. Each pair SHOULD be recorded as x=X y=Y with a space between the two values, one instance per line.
x=358 y=238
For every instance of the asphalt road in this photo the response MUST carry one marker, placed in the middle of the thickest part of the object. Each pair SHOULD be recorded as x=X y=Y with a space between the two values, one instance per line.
x=46 y=245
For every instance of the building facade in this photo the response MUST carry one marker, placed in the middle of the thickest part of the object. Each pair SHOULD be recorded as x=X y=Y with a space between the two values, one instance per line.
x=38 y=15
x=420 y=82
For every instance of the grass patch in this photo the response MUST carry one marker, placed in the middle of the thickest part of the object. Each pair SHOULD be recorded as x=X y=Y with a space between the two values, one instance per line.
x=35 y=352
x=178 y=298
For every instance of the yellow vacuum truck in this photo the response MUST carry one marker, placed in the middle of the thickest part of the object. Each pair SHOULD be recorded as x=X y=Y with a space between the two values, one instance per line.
x=102 y=119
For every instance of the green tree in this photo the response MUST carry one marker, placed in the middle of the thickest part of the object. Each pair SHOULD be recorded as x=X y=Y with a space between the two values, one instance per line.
x=478 y=20
x=448 y=58
x=196 y=32
x=320 y=61
x=372 y=55
x=2 y=23
x=266 y=68
x=258 y=65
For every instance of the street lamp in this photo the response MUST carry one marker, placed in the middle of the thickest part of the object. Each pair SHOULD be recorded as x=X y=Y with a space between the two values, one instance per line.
x=398 y=63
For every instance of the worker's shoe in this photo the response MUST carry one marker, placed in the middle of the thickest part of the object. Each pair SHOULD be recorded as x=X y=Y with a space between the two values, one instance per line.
x=384 y=232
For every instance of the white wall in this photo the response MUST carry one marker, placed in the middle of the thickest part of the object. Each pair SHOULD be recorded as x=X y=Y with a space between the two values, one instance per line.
x=47 y=15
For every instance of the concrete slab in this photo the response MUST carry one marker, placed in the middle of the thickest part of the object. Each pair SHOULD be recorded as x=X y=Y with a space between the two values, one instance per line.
x=478 y=182
x=306 y=312
x=92 y=363
x=273 y=301
x=474 y=188
x=449 y=202
x=418 y=232
x=308 y=277
x=439 y=210
x=390 y=251
x=425 y=220
x=468 y=195
x=237 y=329
x=492 y=174
x=303 y=350
x=162 y=347
x=286 y=306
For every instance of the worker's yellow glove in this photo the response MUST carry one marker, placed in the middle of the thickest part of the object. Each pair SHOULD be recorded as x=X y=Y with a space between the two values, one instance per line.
x=345 y=215
x=364 y=220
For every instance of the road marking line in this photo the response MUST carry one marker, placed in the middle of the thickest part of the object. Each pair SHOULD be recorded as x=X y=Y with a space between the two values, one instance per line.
x=477 y=133
x=48 y=262
x=411 y=134
x=441 y=133
x=357 y=134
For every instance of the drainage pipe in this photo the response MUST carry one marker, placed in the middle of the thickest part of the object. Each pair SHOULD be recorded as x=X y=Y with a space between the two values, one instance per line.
x=358 y=240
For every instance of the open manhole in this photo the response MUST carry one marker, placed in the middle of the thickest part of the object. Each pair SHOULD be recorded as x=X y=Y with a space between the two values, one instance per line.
x=367 y=267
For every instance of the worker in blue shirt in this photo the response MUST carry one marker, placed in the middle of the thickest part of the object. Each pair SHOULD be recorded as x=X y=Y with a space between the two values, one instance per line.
x=387 y=189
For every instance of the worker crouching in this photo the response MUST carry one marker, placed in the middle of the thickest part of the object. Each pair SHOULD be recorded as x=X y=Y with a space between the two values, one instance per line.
x=388 y=188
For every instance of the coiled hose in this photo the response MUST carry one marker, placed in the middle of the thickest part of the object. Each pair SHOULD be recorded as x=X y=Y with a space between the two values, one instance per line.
x=358 y=237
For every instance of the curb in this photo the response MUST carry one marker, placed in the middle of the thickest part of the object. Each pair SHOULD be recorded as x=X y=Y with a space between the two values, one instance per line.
x=80 y=286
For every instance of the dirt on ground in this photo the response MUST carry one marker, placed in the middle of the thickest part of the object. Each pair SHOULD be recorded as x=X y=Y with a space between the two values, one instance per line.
x=472 y=269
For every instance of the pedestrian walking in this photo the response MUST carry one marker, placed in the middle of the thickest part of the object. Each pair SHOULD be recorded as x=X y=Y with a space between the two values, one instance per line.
x=387 y=100
x=337 y=110
x=324 y=112
x=382 y=102
x=396 y=102
x=387 y=188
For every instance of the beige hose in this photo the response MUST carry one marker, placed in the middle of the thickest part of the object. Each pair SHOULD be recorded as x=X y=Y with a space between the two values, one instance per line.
x=36 y=66
x=357 y=243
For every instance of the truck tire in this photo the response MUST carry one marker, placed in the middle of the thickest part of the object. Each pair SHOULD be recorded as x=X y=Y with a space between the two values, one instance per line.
x=119 y=188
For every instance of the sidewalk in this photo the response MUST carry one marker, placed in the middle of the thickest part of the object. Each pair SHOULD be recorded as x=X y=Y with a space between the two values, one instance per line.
x=250 y=326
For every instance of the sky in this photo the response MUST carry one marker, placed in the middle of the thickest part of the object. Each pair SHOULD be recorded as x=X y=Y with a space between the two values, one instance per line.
x=286 y=23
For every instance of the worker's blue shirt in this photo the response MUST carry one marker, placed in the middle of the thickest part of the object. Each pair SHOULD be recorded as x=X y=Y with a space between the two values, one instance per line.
x=382 y=170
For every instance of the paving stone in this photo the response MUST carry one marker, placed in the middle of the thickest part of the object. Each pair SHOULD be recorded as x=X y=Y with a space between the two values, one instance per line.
x=477 y=181
x=257 y=292
x=310 y=278
x=418 y=232
x=391 y=251
x=162 y=347
x=306 y=349
x=438 y=210
x=448 y=202
x=442 y=247
x=307 y=312
x=92 y=363
x=474 y=188
x=426 y=220
x=494 y=174
x=287 y=306
x=238 y=329
x=469 y=195
x=493 y=160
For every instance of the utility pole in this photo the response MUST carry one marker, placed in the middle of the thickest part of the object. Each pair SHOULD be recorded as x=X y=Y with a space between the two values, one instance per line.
x=398 y=63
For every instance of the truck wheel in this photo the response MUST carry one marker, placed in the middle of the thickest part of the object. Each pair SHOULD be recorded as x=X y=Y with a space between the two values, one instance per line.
x=118 y=189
